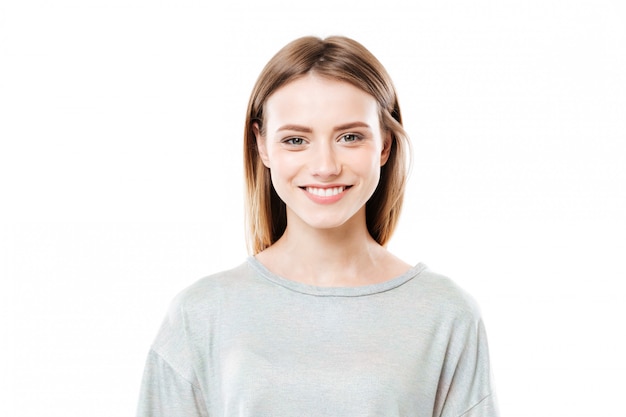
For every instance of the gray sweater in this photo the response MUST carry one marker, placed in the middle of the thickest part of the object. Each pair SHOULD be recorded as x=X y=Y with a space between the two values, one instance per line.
x=246 y=342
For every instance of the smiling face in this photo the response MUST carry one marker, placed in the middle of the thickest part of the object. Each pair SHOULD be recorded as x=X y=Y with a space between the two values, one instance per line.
x=324 y=147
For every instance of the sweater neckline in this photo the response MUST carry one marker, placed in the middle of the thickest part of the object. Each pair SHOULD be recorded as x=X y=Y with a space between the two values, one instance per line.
x=336 y=291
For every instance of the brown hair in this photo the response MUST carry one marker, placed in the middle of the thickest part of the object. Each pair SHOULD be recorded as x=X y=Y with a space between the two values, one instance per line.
x=342 y=59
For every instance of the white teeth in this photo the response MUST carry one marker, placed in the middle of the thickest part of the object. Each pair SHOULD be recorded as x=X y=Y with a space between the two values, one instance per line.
x=325 y=192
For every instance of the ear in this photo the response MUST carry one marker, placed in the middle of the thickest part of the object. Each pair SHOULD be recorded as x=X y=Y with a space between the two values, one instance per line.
x=387 y=141
x=260 y=144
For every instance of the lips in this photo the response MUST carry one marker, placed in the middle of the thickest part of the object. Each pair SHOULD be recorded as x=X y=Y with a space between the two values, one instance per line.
x=325 y=192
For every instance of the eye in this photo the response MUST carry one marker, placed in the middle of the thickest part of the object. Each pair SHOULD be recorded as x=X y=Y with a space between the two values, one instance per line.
x=350 y=137
x=294 y=141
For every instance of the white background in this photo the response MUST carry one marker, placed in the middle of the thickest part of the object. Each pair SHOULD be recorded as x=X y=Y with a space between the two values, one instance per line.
x=120 y=172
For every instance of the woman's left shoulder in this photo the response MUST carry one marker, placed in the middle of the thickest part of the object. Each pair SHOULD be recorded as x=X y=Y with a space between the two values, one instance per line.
x=445 y=295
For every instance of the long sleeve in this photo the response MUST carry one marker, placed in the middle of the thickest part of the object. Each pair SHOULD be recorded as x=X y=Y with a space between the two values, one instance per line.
x=466 y=381
x=170 y=385
x=165 y=393
x=486 y=407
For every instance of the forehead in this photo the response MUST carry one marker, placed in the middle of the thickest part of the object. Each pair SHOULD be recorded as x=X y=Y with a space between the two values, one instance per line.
x=313 y=99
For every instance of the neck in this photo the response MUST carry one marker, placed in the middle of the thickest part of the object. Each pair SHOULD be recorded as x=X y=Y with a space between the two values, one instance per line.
x=343 y=256
x=329 y=248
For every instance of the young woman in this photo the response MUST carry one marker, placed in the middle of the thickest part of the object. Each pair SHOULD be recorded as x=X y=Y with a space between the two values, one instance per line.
x=321 y=320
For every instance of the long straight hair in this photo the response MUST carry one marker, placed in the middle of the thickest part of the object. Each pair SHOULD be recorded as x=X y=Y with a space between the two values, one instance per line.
x=342 y=59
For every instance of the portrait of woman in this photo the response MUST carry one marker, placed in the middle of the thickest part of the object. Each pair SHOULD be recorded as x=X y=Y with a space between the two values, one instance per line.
x=322 y=319
x=312 y=208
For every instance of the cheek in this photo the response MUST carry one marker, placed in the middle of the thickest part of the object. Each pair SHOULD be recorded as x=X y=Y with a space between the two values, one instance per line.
x=369 y=164
x=282 y=168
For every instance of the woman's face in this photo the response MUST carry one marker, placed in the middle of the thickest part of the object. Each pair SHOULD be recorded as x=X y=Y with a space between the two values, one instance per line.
x=324 y=147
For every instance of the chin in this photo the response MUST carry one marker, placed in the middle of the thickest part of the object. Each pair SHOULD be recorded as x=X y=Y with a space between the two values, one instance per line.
x=326 y=223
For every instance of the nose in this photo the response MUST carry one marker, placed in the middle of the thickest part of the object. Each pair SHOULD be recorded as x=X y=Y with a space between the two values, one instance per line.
x=325 y=161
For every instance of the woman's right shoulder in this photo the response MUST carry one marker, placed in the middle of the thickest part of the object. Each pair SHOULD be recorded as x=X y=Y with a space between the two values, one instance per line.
x=212 y=288
x=193 y=308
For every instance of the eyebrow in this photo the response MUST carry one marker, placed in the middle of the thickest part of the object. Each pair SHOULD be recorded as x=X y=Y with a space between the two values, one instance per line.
x=305 y=129
x=296 y=128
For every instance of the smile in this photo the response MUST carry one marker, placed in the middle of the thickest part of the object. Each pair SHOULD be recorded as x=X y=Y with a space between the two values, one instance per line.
x=325 y=192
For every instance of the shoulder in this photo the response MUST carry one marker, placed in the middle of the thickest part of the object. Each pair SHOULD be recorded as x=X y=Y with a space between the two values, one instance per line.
x=202 y=300
x=445 y=297
x=212 y=288
x=193 y=312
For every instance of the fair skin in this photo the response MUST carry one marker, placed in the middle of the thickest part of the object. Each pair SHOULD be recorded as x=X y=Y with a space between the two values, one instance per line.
x=324 y=146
